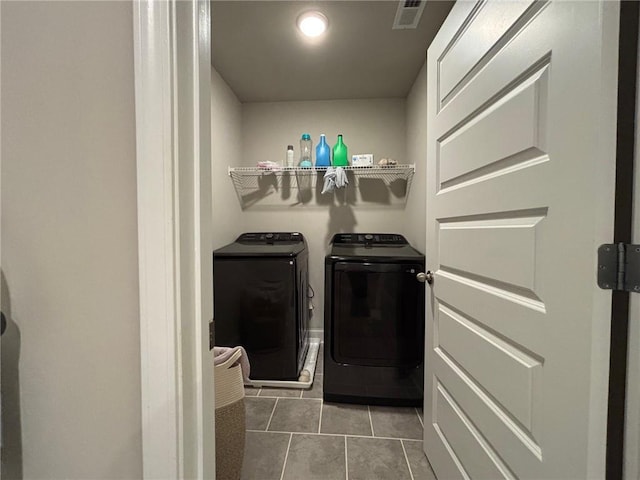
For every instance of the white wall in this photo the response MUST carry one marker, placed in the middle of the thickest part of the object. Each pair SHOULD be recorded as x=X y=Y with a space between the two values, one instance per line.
x=244 y=134
x=226 y=146
x=369 y=126
x=415 y=214
x=71 y=355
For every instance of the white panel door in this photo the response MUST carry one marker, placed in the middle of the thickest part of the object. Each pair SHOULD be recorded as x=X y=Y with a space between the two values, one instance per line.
x=521 y=163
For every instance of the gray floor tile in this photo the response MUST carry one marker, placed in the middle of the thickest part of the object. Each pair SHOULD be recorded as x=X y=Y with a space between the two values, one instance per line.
x=420 y=413
x=280 y=392
x=345 y=419
x=315 y=457
x=396 y=422
x=296 y=415
x=316 y=389
x=376 y=459
x=258 y=412
x=420 y=467
x=264 y=455
x=251 y=391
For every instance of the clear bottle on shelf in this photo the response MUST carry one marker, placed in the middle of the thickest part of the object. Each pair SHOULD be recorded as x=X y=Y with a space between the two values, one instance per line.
x=306 y=146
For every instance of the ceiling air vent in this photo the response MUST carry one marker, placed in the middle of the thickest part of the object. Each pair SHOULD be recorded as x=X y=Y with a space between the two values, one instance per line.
x=408 y=14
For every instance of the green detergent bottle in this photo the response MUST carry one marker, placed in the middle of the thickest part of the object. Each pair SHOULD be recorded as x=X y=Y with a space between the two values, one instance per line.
x=340 y=157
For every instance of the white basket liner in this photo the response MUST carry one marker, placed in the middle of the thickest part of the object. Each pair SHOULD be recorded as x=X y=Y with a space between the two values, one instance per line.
x=228 y=382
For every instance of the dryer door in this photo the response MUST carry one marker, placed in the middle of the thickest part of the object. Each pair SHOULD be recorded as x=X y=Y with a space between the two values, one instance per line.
x=377 y=314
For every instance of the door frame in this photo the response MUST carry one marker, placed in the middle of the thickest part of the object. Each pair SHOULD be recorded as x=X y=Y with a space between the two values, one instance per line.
x=172 y=40
x=631 y=466
x=632 y=409
x=622 y=455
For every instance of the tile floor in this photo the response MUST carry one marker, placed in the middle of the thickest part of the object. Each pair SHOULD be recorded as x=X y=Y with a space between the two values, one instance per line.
x=295 y=435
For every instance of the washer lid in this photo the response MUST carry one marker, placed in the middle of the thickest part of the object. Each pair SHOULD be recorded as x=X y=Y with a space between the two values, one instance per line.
x=373 y=246
x=262 y=244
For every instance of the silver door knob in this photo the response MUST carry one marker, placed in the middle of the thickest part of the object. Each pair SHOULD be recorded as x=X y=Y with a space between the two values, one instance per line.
x=425 y=277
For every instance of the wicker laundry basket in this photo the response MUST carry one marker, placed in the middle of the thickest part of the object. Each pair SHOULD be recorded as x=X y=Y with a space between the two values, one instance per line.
x=230 y=419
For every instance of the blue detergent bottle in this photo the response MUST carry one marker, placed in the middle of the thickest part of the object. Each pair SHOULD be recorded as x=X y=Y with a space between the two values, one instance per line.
x=323 y=153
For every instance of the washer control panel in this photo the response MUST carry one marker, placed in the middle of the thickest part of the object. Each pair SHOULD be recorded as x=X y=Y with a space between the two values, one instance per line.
x=264 y=238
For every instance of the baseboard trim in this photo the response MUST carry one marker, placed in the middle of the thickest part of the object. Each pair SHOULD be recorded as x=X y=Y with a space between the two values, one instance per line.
x=316 y=333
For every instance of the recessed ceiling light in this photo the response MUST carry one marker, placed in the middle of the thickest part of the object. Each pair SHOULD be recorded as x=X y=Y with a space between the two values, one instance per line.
x=312 y=24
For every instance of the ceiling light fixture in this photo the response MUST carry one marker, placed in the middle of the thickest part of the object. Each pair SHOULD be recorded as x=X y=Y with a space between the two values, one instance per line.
x=312 y=24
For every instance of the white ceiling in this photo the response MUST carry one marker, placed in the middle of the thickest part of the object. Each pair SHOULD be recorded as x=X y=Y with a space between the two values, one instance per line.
x=257 y=49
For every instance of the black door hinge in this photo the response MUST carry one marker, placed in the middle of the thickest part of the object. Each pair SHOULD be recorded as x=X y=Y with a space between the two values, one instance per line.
x=619 y=267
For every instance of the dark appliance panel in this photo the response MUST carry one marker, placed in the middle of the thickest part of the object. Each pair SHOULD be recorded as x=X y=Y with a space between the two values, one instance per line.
x=261 y=302
x=376 y=314
x=263 y=312
x=374 y=320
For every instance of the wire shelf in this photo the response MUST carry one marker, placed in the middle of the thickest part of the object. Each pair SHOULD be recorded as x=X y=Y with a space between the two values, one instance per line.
x=278 y=187
x=249 y=179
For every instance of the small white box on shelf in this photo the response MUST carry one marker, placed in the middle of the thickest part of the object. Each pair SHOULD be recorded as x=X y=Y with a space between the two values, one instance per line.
x=362 y=160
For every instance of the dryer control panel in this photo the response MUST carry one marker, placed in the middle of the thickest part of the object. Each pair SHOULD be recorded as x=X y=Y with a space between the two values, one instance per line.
x=369 y=239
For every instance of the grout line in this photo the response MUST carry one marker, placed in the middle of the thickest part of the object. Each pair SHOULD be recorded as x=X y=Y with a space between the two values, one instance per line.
x=373 y=434
x=320 y=423
x=301 y=392
x=407 y=459
x=271 y=417
x=286 y=456
x=346 y=459
x=418 y=413
x=340 y=435
x=312 y=434
x=292 y=398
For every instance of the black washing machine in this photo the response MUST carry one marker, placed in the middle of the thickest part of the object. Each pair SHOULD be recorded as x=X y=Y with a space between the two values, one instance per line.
x=374 y=320
x=261 y=302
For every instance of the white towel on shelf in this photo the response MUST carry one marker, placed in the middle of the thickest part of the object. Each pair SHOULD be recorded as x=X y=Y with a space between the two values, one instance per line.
x=341 y=178
x=334 y=178
x=222 y=354
x=267 y=165
x=329 y=180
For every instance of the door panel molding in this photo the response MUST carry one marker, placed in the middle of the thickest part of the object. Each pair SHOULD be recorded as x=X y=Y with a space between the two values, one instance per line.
x=513 y=18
